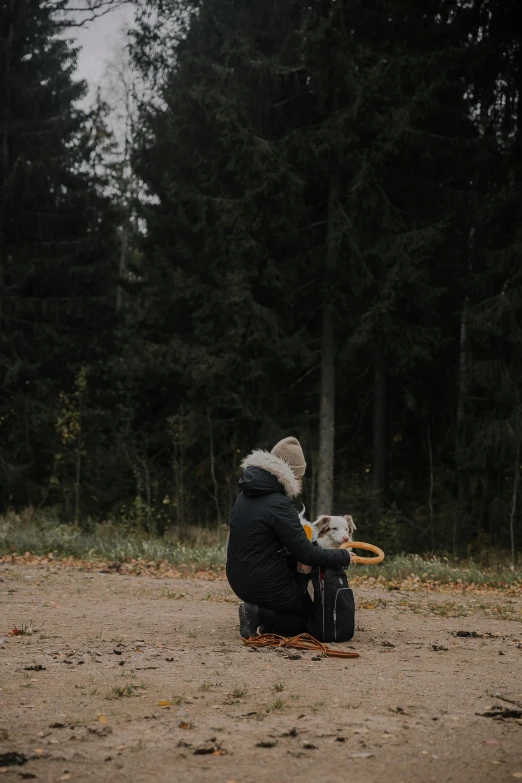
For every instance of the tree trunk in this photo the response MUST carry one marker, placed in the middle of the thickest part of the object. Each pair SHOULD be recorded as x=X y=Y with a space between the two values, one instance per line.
x=313 y=488
x=122 y=263
x=514 y=500
x=461 y=420
x=379 y=424
x=5 y=103
x=463 y=393
x=77 y=483
x=213 y=470
x=325 y=467
x=430 y=493
x=326 y=416
x=463 y=381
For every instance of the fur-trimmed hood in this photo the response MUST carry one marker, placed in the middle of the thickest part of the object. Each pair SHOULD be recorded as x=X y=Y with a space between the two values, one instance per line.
x=277 y=467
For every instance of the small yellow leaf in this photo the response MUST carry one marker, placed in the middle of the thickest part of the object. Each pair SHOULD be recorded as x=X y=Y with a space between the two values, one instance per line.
x=38 y=750
x=102 y=718
x=164 y=703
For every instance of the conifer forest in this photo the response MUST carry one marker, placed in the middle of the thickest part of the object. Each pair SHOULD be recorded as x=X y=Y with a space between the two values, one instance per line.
x=306 y=220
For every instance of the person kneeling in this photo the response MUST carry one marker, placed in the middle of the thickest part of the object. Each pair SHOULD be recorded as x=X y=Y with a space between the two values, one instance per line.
x=267 y=542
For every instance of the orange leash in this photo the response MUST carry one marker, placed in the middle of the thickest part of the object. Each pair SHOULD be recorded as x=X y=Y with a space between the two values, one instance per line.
x=302 y=642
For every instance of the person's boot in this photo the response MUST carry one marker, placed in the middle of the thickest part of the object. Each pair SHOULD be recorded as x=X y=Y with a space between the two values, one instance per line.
x=249 y=621
x=254 y=620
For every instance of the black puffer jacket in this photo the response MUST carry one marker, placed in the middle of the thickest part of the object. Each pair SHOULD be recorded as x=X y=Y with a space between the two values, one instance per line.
x=264 y=528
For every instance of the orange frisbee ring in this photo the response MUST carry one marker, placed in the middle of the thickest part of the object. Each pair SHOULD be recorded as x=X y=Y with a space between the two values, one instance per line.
x=354 y=545
x=369 y=548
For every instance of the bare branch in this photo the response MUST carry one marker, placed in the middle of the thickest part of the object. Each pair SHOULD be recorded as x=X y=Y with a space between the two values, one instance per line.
x=94 y=9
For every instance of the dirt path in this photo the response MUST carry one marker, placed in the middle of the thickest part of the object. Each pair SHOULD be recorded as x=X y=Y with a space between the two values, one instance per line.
x=146 y=680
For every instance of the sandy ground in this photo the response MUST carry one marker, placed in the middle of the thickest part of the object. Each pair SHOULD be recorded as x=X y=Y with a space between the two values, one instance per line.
x=124 y=678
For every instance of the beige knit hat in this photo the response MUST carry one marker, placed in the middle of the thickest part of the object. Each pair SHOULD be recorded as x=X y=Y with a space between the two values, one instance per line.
x=290 y=451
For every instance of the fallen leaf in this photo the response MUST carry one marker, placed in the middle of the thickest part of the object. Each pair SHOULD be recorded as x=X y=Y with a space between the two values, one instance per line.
x=361 y=755
x=517 y=775
x=38 y=750
x=207 y=749
x=164 y=703
x=66 y=776
x=102 y=718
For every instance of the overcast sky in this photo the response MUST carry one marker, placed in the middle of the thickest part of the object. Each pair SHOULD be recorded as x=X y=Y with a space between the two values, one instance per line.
x=100 y=41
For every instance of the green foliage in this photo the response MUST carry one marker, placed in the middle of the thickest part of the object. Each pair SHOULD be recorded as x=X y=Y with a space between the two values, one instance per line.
x=363 y=155
x=56 y=237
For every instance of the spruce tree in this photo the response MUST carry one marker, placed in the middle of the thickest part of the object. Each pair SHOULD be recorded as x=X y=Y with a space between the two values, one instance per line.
x=55 y=245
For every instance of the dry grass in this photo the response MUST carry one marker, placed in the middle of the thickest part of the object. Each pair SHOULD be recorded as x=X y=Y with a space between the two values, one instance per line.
x=109 y=542
x=198 y=548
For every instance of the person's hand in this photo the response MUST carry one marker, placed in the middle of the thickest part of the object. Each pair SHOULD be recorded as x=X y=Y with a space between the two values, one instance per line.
x=353 y=561
x=303 y=569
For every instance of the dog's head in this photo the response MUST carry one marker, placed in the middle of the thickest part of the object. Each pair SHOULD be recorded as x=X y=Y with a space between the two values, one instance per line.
x=334 y=531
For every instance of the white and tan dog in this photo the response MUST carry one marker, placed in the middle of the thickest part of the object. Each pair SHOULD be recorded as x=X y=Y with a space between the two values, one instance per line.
x=330 y=531
x=334 y=531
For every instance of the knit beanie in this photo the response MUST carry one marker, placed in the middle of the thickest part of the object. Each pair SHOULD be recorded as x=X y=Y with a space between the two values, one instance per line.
x=290 y=451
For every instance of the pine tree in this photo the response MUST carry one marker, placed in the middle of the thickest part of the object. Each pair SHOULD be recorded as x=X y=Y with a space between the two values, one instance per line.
x=392 y=127
x=217 y=159
x=55 y=244
x=491 y=421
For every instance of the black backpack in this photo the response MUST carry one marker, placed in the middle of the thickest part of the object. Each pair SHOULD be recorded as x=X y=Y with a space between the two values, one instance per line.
x=333 y=617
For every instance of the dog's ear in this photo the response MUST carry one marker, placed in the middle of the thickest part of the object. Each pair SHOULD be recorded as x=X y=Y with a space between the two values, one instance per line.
x=351 y=523
x=323 y=525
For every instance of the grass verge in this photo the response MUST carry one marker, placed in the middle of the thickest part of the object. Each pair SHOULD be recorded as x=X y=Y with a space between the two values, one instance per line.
x=197 y=549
